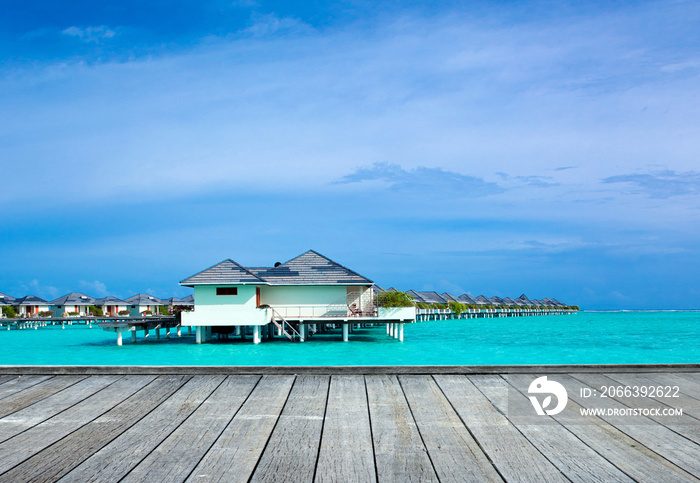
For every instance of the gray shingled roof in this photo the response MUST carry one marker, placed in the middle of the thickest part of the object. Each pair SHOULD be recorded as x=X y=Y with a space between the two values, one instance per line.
x=188 y=300
x=310 y=268
x=449 y=297
x=6 y=299
x=482 y=300
x=427 y=297
x=109 y=300
x=466 y=299
x=30 y=300
x=74 y=298
x=496 y=301
x=143 y=299
x=226 y=272
x=526 y=301
x=557 y=303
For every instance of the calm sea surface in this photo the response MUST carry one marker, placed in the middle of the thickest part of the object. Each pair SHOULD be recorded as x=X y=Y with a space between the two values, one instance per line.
x=584 y=338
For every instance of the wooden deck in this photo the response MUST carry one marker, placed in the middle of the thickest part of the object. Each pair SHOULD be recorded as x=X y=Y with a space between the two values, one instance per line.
x=363 y=426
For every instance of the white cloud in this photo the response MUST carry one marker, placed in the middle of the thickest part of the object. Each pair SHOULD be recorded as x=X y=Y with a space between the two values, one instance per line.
x=46 y=292
x=94 y=288
x=271 y=24
x=90 y=34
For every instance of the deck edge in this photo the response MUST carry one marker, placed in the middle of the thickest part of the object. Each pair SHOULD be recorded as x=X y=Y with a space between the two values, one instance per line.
x=325 y=370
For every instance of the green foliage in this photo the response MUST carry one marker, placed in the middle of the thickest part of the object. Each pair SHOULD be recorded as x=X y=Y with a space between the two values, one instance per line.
x=95 y=311
x=394 y=299
x=124 y=312
x=163 y=310
x=73 y=313
x=457 y=308
x=48 y=313
x=147 y=312
x=9 y=312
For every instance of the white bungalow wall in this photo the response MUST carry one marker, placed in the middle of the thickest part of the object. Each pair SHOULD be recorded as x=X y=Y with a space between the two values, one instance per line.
x=59 y=310
x=32 y=310
x=216 y=310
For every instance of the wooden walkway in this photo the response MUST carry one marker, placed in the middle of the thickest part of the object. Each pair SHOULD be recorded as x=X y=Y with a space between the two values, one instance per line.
x=342 y=427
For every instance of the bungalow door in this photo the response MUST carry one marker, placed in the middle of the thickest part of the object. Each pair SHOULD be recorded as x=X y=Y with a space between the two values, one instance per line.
x=257 y=296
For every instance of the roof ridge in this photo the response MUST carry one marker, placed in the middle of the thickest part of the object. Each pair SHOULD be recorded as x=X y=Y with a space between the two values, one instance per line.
x=208 y=268
x=336 y=263
x=247 y=271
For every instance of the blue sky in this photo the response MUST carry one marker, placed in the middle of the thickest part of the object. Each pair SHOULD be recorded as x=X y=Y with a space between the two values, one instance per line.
x=545 y=148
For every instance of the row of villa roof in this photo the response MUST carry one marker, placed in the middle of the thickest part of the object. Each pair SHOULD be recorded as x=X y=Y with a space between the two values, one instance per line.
x=79 y=303
x=446 y=298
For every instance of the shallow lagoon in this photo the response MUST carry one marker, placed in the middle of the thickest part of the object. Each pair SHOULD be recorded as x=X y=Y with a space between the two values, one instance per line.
x=584 y=338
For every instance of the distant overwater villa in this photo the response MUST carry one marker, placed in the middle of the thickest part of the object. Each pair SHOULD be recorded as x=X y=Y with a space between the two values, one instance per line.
x=305 y=296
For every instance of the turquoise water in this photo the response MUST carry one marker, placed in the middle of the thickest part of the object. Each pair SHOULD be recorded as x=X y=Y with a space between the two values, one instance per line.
x=584 y=338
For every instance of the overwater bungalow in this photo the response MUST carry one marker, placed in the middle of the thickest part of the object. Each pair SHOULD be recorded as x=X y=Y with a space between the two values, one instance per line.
x=427 y=297
x=497 y=301
x=30 y=306
x=5 y=300
x=143 y=304
x=525 y=301
x=293 y=298
x=449 y=297
x=111 y=305
x=482 y=300
x=175 y=303
x=509 y=302
x=557 y=303
x=466 y=299
x=74 y=303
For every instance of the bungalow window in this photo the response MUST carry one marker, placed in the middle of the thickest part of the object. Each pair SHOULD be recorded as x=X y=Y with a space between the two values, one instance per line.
x=226 y=290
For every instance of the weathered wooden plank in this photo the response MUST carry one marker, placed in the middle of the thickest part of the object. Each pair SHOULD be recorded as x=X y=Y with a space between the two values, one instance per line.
x=514 y=456
x=650 y=431
x=687 y=424
x=567 y=452
x=30 y=442
x=109 y=464
x=452 y=449
x=235 y=454
x=689 y=383
x=19 y=383
x=627 y=454
x=293 y=446
x=346 y=446
x=6 y=378
x=37 y=392
x=689 y=404
x=398 y=448
x=175 y=458
x=54 y=462
x=49 y=407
